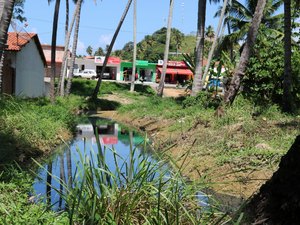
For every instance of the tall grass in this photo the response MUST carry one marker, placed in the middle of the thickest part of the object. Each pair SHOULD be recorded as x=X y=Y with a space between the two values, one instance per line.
x=33 y=126
x=135 y=190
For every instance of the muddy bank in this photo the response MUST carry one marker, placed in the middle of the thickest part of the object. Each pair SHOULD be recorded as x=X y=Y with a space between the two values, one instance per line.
x=232 y=185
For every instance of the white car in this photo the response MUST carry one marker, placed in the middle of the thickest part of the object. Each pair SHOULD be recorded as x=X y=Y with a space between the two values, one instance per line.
x=91 y=74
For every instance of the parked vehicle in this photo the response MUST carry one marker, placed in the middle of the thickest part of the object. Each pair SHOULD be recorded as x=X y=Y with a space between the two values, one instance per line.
x=91 y=74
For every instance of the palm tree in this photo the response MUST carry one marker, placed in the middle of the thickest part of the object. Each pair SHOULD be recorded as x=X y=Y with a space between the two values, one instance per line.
x=66 y=49
x=160 y=88
x=66 y=34
x=197 y=83
x=6 y=11
x=240 y=16
x=134 y=47
x=239 y=73
x=74 y=48
x=109 y=49
x=210 y=33
x=287 y=81
x=210 y=55
x=53 y=49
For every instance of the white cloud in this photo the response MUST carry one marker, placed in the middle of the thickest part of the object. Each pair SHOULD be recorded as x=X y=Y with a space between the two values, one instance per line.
x=105 y=39
x=34 y=30
x=81 y=48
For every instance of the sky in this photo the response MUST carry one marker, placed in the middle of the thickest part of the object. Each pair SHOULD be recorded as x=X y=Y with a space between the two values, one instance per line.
x=99 y=20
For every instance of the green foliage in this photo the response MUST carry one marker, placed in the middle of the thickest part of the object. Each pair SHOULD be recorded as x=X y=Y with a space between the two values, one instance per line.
x=18 y=11
x=138 y=191
x=83 y=87
x=89 y=50
x=263 y=80
x=152 y=47
x=265 y=71
x=29 y=126
x=17 y=207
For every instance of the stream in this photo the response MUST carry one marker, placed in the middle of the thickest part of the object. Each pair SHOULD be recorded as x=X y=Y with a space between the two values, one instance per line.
x=62 y=164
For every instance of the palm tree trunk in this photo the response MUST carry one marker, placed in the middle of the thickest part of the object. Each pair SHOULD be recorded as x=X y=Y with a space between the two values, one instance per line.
x=66 y=34
x=160 y=88
x=74 y=48
x=239 y=73
x=66 y=49
x=53 y=50
x=212 y=50
x=69 y=168
x=49 y=183
x=197 y=83
x=134 y=47
x=6 y=11
x=62 y=179
x=97 y=88
x=287 y=81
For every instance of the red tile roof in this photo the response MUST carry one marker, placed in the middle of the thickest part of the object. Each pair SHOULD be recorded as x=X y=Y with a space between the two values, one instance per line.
x=15 y=41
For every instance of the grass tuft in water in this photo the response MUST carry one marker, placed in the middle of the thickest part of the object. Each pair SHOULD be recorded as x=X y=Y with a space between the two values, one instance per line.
x=134 y=190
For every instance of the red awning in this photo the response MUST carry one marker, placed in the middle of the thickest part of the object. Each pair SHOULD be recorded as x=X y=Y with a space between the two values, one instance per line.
x=109 y=140
x=177 y=71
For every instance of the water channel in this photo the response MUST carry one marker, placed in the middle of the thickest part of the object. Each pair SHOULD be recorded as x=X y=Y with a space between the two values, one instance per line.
x=64 y=163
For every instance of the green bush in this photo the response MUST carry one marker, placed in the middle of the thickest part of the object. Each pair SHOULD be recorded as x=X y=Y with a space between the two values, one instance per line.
x=17 y=207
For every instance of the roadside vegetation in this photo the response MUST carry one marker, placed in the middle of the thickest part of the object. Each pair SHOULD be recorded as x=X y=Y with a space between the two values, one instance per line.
x=226 y=152
x=33 y=127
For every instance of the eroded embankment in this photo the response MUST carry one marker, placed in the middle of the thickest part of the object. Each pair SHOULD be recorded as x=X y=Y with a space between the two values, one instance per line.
x=231 y=183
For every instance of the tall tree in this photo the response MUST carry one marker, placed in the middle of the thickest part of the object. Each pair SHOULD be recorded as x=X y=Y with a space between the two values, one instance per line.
x=134 y=48
x=209 y=32
x=89 y=50
x=66 y=50
x=212 y=49
x=53 y=48
x=197 y=83
x=160 y=88
x=240 y=16
x=6 y=11
x=74 y=48
x=63 y=65
x=109 y=49
x=239 y=73
x=99 y=52
x=287 y=81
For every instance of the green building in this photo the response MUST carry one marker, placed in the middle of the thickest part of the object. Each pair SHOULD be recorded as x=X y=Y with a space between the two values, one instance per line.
x=144 y=69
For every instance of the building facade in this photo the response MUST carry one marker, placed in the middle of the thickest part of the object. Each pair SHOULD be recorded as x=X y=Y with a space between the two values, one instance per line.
x=24 y=66
x=144 y=70
x=112 y=69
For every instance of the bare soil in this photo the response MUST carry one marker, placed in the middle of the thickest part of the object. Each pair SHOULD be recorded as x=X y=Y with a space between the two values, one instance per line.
x=232 y=185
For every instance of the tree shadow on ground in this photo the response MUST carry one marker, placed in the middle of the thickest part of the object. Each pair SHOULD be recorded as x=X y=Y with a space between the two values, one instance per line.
x=84 y=87
x=294 y=124
x=13 y=150
x=103 y=104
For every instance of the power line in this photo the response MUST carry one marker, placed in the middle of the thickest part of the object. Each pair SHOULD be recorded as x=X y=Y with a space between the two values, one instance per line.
x=88 y=27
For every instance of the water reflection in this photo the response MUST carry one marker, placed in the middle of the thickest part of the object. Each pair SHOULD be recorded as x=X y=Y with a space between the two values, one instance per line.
x=62 y=165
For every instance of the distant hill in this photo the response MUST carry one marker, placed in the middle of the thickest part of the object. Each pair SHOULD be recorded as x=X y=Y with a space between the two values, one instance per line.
x=152 y=47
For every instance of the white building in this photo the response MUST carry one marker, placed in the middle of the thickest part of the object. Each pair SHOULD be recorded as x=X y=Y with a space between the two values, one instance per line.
x=24 y=66
x=112 y=69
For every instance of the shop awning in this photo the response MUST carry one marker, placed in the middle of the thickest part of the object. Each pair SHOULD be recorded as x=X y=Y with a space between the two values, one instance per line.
x=176 y=71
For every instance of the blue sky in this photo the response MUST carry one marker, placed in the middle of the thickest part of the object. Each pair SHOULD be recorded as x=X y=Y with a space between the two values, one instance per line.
x=99 y=21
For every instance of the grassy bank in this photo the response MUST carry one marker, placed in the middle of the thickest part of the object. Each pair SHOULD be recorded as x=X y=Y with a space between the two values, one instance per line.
x=29 y=128
x=238 y=150
x=16 y=204
x=233 y=152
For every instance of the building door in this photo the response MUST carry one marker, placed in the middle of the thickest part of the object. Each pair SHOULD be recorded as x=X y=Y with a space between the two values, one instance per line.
x=8 y=80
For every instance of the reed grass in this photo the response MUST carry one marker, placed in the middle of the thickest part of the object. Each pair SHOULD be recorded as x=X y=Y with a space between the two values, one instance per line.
x=135 y=190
